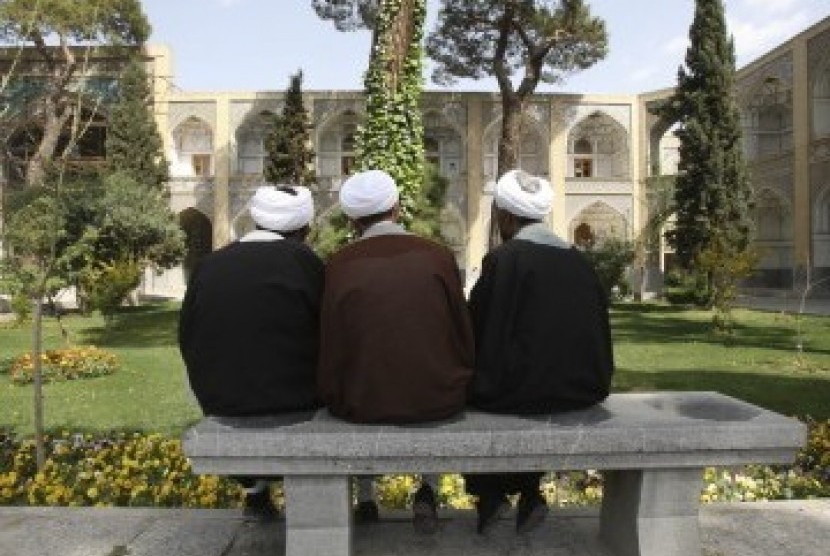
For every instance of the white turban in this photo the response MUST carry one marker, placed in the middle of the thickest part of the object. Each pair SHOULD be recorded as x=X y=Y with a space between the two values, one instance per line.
x=524 y=195
x=368 y=193
x=281 y=211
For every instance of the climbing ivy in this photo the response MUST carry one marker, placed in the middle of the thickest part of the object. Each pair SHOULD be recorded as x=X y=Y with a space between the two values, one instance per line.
x=391 y=138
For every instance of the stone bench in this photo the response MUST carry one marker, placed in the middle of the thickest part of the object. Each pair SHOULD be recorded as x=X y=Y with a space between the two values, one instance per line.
x=651 y=447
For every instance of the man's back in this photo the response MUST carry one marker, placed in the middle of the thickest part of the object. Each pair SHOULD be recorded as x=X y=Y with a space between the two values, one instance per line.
x=396 y=343
x=542 y=333
x=249 y=328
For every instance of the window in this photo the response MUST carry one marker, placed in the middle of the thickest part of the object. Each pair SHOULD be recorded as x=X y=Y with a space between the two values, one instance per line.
x=201 y=165
x=193 y=140
x=583 y=168
x=583 y=159
x=251 y=156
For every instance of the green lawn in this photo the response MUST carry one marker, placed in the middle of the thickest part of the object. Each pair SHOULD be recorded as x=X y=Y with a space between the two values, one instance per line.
x=657 y=347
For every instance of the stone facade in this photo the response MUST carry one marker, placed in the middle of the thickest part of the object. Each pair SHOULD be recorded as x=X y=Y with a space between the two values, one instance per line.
x=598 y=151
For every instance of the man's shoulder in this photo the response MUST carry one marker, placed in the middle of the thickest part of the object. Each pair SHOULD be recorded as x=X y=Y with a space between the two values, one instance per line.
x=389 y=245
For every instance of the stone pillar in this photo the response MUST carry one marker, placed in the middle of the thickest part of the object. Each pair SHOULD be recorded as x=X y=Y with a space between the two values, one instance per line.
x=651 y=512
x=636 y=156
x=222 y=169
x=558 y=164
x=477 y=215
x=318 y=519
x=802 y=237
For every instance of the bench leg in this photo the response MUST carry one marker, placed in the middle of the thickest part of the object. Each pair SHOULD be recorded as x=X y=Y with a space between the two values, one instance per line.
x=318 y=520
x=651 y=512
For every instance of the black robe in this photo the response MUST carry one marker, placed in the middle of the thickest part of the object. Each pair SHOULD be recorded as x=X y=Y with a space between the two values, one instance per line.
x=249 y=328
x=543 y=341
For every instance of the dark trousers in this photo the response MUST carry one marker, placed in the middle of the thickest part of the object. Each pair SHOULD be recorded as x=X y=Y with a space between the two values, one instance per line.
x=501 y=484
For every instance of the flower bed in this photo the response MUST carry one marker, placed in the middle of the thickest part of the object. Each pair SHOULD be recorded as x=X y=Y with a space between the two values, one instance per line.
x=62 y=364
x=151 y=470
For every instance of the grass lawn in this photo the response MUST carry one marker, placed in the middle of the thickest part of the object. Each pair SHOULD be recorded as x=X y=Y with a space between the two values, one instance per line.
x=148 y=393
x=657 y=347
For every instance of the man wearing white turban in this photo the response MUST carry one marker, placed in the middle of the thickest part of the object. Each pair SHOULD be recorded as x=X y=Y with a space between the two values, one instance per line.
x=543 y=342
x=249 y=323
x=396 y=344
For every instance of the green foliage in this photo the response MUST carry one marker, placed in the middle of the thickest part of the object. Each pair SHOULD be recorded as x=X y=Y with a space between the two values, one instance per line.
x=724 y=267
x=84 y=26
x=546 y=40
x=331 y=233
x=102 y=21
x=136 y=223
x=712 y=193
x=683 y=287
x=134 y=146
x=427 y=204
x=334 y=231
x=391 y=138
x=288 y=144
x=348 y=15
x=105 y=286
x=68 y=229
x=610 y=258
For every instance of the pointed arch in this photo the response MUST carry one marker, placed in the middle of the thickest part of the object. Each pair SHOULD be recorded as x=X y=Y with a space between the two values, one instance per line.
x=821 y=100
x=608 y=155
x=596 y=222
x=336 y=156
x=533 y=151
x=192 y=149
x=250 y=143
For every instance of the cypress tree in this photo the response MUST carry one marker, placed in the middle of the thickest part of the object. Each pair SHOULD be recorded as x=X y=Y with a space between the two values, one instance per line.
x=288 y=144
x=712 y=192
x=712 y=235
x=134 y=146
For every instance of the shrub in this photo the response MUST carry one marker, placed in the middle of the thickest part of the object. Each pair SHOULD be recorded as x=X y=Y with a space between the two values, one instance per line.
x=114 y=470
x=683 y=287
x=64 y=364
x=610 y=259
x=106 y=286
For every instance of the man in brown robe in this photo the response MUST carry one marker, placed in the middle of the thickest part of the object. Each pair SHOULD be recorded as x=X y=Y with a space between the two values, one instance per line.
x=396 y=342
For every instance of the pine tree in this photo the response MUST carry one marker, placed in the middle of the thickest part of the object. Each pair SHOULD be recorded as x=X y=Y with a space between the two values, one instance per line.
x=290 y=156
x=712 y=192
x=134 y=146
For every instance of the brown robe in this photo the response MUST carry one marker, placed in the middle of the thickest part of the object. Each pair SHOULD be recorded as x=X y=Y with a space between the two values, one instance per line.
x=396 y=343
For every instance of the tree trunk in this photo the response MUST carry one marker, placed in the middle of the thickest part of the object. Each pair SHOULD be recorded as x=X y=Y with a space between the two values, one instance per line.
x=398 y=41
x=511 y=123
x=36 y=167
x=37 y=370
x=508 y=151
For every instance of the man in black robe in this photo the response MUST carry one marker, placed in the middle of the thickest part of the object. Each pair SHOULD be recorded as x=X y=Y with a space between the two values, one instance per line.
x=249 y=323
x=543 y=341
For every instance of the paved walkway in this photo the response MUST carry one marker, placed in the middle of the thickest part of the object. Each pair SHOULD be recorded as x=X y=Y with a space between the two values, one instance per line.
x=797 y=528
x=790 y=303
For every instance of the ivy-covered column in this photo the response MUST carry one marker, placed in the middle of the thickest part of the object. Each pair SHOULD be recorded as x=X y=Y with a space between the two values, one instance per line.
x=391 y=139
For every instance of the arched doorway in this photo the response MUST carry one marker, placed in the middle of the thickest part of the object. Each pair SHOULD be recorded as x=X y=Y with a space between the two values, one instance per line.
x=597 y=223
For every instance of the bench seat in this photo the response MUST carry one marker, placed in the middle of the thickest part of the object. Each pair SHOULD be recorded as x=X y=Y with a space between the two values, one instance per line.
x=651 y=447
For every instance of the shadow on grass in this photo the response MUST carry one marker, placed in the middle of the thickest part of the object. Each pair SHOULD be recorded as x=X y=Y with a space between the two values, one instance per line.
x=664 y=324
x=145 y=326
x=800 y=396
